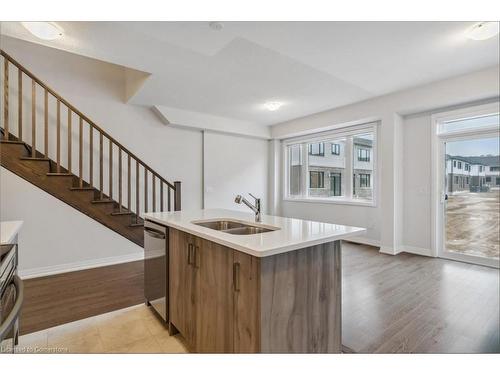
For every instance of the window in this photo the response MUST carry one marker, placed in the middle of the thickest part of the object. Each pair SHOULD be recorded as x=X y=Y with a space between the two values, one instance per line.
x=295 y=170
x=467 y=180
x=336 y=184
x=498 y=181
x=345 y=172
x=364 y=180
x=317 y=149
x=488 y=179
x=456 y=180
x=363 y=154
x=481 y=168
x=454 y=163
x=459 y=165
x=316 y=180
x=335 y=149
x=494 y=169
x=470 y=124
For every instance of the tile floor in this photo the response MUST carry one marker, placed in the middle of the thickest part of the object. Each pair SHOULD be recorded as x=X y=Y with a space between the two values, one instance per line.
x=132 y=330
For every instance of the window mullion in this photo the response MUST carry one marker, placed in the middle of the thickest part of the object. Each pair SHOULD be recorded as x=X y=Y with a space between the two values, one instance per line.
x=305 y=170
x=349 y=150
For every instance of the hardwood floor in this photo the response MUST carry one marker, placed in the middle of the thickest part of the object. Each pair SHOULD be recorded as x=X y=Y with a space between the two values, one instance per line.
x=391 y=304
x=58 y=299
x=414 y=304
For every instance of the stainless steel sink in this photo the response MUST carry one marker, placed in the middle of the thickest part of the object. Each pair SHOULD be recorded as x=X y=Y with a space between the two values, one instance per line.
x=234 y=227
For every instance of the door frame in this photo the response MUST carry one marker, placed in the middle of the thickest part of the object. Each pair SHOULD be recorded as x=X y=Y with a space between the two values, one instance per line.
x=438 y=166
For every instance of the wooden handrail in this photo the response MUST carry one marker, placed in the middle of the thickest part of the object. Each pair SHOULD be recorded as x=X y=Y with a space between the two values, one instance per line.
x=72 y=110
x=83 y=116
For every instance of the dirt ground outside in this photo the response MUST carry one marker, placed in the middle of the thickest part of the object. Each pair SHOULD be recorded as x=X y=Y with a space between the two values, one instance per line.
x=473 y=223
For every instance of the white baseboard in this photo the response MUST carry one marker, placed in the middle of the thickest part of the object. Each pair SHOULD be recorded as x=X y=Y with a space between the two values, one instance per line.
x=364 y=241
x=417 y=250
x=31 y=273
x=389 y=250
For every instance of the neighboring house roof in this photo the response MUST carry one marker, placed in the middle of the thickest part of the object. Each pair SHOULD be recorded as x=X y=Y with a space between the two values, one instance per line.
x=363 y=142
x=490 y=160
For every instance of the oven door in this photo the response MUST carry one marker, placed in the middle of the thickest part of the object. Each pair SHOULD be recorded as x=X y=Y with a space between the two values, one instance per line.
x=155 y=267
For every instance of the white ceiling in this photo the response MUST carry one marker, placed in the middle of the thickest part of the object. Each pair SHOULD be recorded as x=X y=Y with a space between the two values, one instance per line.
x=310 y=66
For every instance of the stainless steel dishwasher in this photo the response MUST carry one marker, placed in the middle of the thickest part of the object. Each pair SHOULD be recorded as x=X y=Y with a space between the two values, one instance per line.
x=156 y=267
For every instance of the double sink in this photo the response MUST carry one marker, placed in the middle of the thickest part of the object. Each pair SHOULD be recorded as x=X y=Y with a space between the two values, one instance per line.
x=235 y=227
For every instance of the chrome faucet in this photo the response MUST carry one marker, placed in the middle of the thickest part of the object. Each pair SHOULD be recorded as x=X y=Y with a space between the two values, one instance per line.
x=255 y=208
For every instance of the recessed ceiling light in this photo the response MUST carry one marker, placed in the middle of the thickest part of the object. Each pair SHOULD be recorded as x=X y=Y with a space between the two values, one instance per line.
x=217 y=26
x=483 y=30
x=44 y=30
x=273 y=106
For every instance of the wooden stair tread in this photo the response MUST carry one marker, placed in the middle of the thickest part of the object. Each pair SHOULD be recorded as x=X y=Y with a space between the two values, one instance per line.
x=97 y=201
x=84 y=188
x=60 y=174
x=34 y=159
x=11 y=142
x=118 y=213
x=136 y=225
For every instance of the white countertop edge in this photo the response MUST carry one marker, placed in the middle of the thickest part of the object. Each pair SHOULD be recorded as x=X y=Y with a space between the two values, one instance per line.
x=256 y=253
x=9 y=231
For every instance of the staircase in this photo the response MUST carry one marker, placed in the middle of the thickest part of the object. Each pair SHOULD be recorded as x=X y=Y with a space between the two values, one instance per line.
x=108 y=183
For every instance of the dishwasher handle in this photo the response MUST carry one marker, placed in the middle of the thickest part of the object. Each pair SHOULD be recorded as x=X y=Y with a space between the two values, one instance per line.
x=155 y=233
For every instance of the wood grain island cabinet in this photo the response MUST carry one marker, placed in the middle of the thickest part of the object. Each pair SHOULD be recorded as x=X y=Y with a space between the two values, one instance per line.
x=226 y=301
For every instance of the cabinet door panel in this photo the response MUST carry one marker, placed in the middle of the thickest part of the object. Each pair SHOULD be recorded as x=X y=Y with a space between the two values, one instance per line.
x=215 y=305
x=246 y=303
x=183 y=290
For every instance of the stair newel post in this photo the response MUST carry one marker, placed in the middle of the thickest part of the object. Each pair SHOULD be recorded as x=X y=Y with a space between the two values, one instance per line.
x=91 y=155
x=80 y=153
x=101 y=182
x=6 y=99
x=161 y=195
x=110 y=169
x=119 y=179
x=137 y=191
x=58 y=137
x=19 y=104
x=154 y=192
x=69 y=140
x=129 y=187
x=177 y=196
x=46 y=124
x=145 y=189
x=33 y=118
x=169 y=199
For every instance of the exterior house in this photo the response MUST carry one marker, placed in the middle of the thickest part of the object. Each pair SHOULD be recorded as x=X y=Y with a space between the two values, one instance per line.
x=472 y=173
x=327 y=168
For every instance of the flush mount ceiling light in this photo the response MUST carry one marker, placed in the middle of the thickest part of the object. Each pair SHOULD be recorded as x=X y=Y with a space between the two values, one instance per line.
x=483 y=30
x=217 y=26
x=273 y=106
x=44 y=30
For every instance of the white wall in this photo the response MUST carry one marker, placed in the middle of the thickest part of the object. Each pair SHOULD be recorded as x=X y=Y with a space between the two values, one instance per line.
x=417 y=183
x=55 y=237
x=98 y=90
x=401 y=220
x=234 y=165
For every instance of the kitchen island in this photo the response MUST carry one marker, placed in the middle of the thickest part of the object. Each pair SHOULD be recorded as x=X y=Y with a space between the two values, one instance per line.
x=237 y=286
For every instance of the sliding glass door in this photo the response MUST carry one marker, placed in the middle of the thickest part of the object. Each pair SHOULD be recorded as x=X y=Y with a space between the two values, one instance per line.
x=472 y=200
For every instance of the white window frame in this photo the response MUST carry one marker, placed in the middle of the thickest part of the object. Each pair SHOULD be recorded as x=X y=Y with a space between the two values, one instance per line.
x=348 y=154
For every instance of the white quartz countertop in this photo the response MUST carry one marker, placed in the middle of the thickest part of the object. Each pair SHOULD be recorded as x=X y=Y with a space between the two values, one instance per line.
x=292 y=234
x=9 y=230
